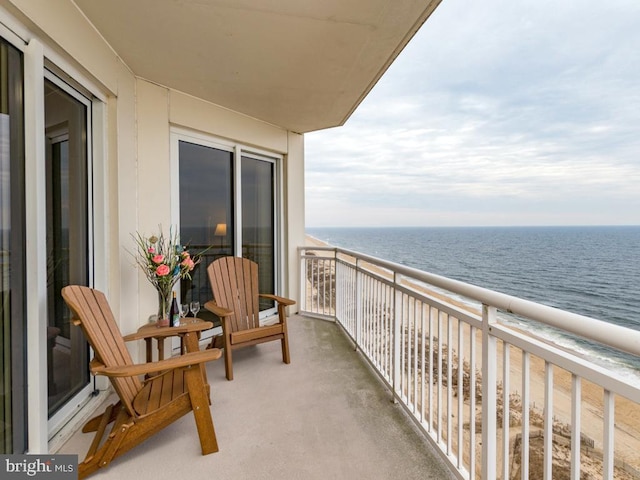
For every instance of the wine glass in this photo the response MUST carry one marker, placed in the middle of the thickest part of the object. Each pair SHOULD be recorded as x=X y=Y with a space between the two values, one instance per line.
x=195 y=308
x=184 y=309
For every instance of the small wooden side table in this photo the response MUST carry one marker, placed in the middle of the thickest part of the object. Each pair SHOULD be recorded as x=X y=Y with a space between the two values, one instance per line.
x=188 y=331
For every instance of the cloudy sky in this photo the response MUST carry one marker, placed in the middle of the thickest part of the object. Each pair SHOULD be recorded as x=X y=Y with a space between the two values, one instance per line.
x=498 y=112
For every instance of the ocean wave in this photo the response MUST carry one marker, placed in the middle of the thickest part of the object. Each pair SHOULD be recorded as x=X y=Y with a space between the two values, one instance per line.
x=626 y=366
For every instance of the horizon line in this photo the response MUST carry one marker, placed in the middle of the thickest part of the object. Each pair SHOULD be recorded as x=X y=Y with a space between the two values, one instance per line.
x=479 y=226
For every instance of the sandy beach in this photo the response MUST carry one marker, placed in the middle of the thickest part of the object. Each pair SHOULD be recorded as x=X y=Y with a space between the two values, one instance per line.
x=627 y=413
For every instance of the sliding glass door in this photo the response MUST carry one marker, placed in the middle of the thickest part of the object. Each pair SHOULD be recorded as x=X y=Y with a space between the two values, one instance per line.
x=227 y=207
x=206 y=212
x=12 y=257
x=67 y=121
x=67 y=194
x=258 y=220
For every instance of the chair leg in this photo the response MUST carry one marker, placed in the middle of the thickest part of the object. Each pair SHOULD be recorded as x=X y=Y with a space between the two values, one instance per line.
x=285 y=350
x=226 y=333
x=93 y=424
x=101 y=457
x=201 y=412
x=282 y=316
x=286 y=358
x=228 y=364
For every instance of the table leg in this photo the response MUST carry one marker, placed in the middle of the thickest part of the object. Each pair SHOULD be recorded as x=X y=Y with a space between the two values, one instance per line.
x=160 y=348
x=149 y=345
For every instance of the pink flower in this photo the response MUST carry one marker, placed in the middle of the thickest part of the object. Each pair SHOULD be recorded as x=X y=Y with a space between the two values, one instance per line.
x=158 y=258
x=162 y=270
x=187 y=262
x=185 y=254
x=151 y=250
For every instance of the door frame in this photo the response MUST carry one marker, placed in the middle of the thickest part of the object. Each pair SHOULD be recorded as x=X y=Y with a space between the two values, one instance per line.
x=80 y=399
x=38 y=57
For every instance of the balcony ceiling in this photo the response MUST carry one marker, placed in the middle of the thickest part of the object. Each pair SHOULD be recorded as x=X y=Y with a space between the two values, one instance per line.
x=302 y=65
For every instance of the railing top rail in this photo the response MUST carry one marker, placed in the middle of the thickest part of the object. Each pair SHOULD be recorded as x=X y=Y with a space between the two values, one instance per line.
x=615 y=336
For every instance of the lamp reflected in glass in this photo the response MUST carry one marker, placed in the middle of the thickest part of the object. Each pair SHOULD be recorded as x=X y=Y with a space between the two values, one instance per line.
x=221 y=231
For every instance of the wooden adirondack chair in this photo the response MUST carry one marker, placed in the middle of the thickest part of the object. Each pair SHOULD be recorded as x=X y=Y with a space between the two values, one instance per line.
x=234 y=282
x=144 y=408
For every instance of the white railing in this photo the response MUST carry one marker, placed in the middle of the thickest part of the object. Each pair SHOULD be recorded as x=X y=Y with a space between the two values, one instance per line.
x=497 y=401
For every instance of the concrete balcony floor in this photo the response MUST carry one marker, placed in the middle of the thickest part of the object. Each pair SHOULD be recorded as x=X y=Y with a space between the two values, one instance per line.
x=324 y=416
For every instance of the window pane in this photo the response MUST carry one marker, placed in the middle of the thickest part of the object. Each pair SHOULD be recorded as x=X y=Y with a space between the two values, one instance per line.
x=258 y=221
x=12 y=285
x=206 y=212
x=67 y=240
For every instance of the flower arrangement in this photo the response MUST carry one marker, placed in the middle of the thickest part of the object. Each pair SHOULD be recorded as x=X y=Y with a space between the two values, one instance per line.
x=164 y=261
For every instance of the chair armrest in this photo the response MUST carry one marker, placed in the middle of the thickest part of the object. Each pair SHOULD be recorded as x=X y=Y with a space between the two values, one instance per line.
x=282 y=300
x=220 y=311
x=152 y=331
x=186 y=360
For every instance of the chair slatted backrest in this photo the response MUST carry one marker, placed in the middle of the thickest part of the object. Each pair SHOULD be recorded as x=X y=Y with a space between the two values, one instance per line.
x=91 y=309
x=234 y=282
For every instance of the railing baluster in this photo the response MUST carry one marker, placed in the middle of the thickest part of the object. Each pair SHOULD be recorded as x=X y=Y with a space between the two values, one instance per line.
x=526 y=366
x=366 y=313
x=460 y=329
x=339 y=292
x=489 y=366
x=303 y=285
x=321 y=286
x=506 y=390
x=388 y=327
x=333 y=282
x=358 y=306
x=408 y=349
x=608 y=438
x=431 y=369
x=548 y=420
x=406 y=339
x=376 y=329
x=449 y=383
x=415 y=354
x=472 y=402
x=439 y=391
x=423 y=366
x=372 y=319
x=397 y=306
x=384 y=331
x=316 y=283
x=576 y=409
x=327 y=287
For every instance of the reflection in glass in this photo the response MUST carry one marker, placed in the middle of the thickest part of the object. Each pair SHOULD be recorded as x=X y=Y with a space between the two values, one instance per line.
x=258 y=221
x=209 y=205
x=12 y=258
x=67 y=240
x=206 y=213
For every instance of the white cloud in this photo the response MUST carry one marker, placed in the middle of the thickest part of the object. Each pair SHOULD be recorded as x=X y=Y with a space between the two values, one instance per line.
x=497 y=112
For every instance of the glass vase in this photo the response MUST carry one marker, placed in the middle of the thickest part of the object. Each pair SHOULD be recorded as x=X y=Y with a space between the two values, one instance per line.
x=164 y=304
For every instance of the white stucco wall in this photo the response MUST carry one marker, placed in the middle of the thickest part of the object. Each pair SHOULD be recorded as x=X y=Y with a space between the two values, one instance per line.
x=159 y=109
x=133 y=174
x=294 y=211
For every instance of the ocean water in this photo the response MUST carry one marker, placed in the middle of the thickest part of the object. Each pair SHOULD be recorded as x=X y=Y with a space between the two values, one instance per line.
x=592 y=271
